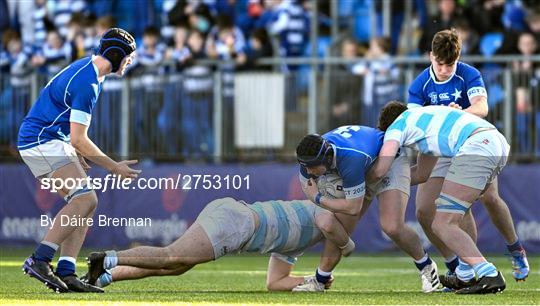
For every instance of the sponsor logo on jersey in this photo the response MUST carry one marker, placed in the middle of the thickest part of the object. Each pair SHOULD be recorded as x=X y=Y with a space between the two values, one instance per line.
x=444 y=96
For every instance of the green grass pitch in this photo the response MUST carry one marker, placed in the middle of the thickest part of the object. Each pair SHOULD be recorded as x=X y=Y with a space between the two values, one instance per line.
x=383 y=279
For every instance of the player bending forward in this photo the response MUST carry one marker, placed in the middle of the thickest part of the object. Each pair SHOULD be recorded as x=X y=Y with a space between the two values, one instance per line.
x=283 y=228
x=478 y=153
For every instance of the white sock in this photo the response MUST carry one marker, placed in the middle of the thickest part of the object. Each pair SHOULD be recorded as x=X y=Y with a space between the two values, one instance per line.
x=422 y=260
x=67 y=258
x=450 y=259
x=51 y=244
x=322 y=273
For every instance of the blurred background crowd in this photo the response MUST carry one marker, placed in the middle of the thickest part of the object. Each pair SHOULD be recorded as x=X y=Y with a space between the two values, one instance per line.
x=380 y=46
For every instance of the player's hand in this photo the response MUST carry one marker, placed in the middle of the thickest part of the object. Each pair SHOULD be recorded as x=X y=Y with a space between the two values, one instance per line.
x=123 y=170
x=310 y=189
x=454 y=105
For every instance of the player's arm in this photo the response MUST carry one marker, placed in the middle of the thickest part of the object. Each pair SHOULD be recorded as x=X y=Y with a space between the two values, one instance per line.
x=83 y=97
x=279 y=278
x=387 y=155
x=350 y=206
x=421 y=171
x=479 y=106
x=87 y=148
x=476 y=92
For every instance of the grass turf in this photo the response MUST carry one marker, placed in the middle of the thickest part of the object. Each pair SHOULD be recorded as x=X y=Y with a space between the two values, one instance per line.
x=241 y=280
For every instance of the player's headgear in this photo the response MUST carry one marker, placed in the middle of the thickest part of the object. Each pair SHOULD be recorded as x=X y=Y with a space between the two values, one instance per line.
x=115 y=45
x=313 y=151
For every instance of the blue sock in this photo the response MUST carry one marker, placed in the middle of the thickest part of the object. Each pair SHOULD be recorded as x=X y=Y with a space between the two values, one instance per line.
x=485 y=269
x=322 y=277
x=515 y=247
x=66 y=266
x=105 y=279
x=464 y=271
x=111 y=259
x=45 y=251
x=452 y=264
x=422 y=263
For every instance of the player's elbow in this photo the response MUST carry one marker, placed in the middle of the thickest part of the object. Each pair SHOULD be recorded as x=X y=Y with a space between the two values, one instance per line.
x=76 y=142
x=483 y=112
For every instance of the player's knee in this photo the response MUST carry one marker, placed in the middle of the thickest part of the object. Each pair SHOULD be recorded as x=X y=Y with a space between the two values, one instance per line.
x=171 y=260
x=270 y=286
x=491 y=198
x=326 y=222
x=273 y=285
x=392 y=228
x=425 y=218
x=87 y=200
x=441 y=224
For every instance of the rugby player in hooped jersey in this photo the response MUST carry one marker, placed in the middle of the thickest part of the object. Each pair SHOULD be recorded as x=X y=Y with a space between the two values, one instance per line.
x=53 y=143
x=450 y=82
x=478 y=153
x=284 y=229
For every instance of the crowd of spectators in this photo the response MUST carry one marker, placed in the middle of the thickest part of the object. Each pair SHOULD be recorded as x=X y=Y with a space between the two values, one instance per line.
x=46 y=35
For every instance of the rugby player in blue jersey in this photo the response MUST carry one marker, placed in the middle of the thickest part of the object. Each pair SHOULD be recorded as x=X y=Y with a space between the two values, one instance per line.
x=283 y=229
x=477 y=152
x=53 y=142
x=450 y=82
x=350 y=151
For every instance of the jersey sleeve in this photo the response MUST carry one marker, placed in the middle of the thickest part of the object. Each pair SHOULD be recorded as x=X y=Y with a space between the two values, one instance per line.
x=475 y=83
x=396 y=131
x=416 y=92
x=83 y=99
x=352 y=170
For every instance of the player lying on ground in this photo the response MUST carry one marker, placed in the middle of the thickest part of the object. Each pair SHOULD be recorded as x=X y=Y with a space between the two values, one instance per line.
x=283 y=228
x=450 y=82
x=478 y=153
x=349 y=152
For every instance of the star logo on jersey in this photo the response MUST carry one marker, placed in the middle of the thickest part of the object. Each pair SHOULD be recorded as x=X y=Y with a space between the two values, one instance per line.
x=456 y=94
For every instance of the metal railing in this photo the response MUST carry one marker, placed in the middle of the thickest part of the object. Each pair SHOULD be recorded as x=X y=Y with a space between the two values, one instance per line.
x=174 y=116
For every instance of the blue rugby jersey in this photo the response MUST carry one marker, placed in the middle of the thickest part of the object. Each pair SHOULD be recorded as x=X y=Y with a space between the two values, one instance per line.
x=355 y=150
x=68 y=97
x=285 y=227
x=465 y=84
x=434 y=130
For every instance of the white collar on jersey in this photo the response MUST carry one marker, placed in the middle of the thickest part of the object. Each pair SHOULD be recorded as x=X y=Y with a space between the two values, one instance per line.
x=432 y=75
